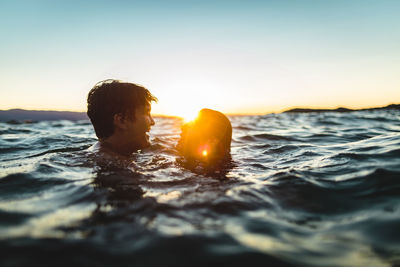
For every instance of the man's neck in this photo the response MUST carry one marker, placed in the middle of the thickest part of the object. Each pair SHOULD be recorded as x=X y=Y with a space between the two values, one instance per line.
x=116 y=145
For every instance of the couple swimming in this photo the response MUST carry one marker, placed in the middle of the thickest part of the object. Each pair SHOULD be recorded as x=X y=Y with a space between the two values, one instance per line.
x=121 y=116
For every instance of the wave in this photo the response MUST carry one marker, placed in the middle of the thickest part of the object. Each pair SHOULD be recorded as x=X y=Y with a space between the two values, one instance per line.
x=268 y=137
x=301 y=189
x=20 y=185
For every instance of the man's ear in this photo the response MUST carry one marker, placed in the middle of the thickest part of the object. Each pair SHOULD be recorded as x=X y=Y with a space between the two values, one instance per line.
x=119 y=121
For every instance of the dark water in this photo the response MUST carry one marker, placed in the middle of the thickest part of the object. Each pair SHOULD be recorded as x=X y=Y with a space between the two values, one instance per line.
x=303 y=189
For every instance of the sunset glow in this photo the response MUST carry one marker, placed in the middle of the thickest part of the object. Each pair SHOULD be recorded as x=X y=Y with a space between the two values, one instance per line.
x=204 y=150
x=251 y=57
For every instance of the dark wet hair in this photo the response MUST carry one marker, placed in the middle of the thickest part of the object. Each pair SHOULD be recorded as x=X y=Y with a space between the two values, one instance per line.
x=110 y=97
x=211 y=131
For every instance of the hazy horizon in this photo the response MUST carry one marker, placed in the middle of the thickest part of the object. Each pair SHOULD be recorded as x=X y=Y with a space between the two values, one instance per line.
x=255 y=57
x=239 y=114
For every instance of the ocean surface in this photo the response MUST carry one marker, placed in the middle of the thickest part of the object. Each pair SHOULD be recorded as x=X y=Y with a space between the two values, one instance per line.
x=303 y=189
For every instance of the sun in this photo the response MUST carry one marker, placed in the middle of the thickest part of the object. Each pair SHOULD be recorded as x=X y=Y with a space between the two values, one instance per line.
x=190 y=115
x=186 y=96
x=188 y=111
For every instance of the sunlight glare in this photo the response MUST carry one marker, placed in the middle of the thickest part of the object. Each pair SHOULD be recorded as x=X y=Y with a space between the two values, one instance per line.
x=190 y=115
x=185 y=97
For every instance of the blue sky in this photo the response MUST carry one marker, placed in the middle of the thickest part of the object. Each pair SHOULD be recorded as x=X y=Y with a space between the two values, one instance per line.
x=234 y=56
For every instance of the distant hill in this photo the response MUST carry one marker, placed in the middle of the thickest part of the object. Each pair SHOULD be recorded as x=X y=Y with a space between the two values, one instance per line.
x=307 y=110
x=22 y=115
x=40 y=115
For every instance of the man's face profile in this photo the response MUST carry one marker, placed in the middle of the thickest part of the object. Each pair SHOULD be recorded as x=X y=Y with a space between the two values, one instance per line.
x=137 y=125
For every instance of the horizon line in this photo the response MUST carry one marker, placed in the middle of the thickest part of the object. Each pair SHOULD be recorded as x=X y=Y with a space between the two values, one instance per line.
x=227 y=113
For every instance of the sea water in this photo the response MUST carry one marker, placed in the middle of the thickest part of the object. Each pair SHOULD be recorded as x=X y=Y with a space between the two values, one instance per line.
x=306 y=189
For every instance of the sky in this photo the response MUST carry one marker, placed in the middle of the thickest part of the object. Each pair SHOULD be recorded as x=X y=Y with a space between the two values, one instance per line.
x=251 y=57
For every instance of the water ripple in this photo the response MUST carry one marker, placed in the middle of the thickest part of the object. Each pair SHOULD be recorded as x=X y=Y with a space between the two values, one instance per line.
x=302 y=189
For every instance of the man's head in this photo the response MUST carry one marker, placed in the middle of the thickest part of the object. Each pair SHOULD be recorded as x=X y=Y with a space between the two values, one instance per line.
x=207 y=138
x=122 y=109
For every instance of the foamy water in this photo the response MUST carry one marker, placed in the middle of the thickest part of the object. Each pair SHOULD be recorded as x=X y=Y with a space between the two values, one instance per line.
x=302 y=189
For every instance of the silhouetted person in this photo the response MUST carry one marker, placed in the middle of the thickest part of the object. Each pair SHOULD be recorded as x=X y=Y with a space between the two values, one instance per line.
x=207 y=139
x=120 y=114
